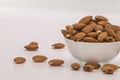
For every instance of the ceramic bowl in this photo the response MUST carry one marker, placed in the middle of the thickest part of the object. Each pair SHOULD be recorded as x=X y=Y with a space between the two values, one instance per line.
x=95 y=52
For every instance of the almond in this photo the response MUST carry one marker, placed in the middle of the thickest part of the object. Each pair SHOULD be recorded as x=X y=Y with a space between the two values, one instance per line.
x=68 y=27
x=78 y=26
x=33 y=43
x=39 y=58
x=79 y=36
x=64 y=32
x=117 y=37
x=93 y=21
x=89 y=39
x=113 y=66
x=58 y=45
x=110 y=32
x=74 y=31
x=108 y=69
x=101 y=18
x=88 y=68
x=99 y=28
x=102 y=36
x=103 y=23
x=92 y=34
x=96 y=65
x=75 y=66
x=19 y=60
x=110 y=39
x=69 y=36
x=113 y=27
x=86 y=19
x=31 y=47
x=89 y=28
x=56 y=62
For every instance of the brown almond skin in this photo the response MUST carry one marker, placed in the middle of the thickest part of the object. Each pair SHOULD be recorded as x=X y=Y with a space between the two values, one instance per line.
x=39 y=58
x=86 y=19
x=74 y=31
x=96 y=65
x=115 y=27
x=93 y=21
x=78 y=26
x=64 y=32
x=92 y=34
x=108 y=69
x=69 y=28
x=110 y=39
x=115 y=67
x=58 y=45
x=103 y=23
x=31 y=47
x=118 y=32
x=110 y=32
x=75 y=66
x=101 y=18
x=56 y=62
x=99 y=28
x=19 y=60
x=117 y=37
x=88 y=68
x=79 y=36
x=102 y=36
x=89 y=39
x=33 y=43
x=69 y=36
x=89 y=28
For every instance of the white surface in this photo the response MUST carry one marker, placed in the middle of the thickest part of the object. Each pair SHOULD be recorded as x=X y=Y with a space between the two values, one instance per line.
x=93 y=52
x=19 y=25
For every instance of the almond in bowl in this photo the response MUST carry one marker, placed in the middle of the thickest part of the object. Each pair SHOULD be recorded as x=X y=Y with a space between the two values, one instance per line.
x=97 y=41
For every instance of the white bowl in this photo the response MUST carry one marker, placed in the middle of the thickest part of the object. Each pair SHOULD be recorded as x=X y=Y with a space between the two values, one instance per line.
x=95 y=52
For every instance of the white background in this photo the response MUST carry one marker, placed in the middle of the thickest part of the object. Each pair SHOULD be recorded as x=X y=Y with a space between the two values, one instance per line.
x=22 y=21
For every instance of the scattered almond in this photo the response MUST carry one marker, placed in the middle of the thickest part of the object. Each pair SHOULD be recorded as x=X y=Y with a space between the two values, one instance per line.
x=109 y=68
x=19 y=60
x=33 y=43
x=75 y=66
x=56 y=62
x=39 y=58
x=32 y=46
x=88 y=68
x=96 y=65
x=58 y=45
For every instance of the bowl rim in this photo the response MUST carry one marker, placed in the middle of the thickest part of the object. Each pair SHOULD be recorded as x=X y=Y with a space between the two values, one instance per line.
x=93 y=42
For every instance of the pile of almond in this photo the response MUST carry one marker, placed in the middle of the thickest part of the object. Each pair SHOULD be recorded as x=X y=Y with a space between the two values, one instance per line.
x=90 y=29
